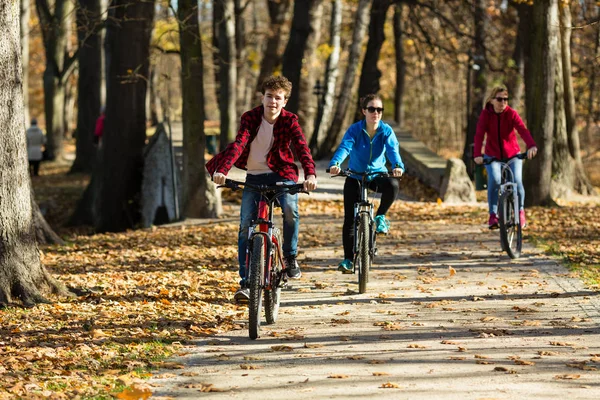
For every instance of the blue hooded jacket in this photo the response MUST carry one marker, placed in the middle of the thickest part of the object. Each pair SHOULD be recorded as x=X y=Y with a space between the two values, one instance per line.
x=368 y=155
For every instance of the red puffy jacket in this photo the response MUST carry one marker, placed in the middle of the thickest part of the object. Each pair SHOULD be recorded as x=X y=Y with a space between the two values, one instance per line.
x=501 y=141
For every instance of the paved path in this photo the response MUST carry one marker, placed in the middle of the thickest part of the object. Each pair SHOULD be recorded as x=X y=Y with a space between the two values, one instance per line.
x=497 y=329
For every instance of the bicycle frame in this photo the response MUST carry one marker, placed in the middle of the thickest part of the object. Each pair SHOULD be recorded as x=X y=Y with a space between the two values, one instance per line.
x=263 y=225
x=360 y=207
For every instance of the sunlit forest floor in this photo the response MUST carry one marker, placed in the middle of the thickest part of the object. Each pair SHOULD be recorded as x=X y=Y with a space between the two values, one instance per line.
x=146 y=293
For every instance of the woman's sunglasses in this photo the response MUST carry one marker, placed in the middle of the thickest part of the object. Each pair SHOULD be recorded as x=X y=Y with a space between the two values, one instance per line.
x=501 y=99
x=373 y=109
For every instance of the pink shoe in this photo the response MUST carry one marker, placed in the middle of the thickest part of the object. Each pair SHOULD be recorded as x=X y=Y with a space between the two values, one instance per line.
x=493 y=222
x=522 y=219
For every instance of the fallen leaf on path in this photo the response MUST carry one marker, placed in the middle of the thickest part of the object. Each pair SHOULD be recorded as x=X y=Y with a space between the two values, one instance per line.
x=377 y=362
x=312 y=346
x=189 y=374
x=248 y=366
x=484 y=362
x=355 y=358
x=481 y=357
x=583 y=366
x=340 y=321
x=338 y=376
x=416 y=346
x=451 y=271
x=564 y=344
x=390 y=385
x=454 y=358
x=524 y=362
x=548 y=353
x=135 y=392
x=568 y=376
x=449 y=342
x=282 y=348
x=380 y=373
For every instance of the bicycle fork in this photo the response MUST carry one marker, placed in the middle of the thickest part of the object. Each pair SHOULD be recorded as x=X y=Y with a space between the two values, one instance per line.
x=512 y=188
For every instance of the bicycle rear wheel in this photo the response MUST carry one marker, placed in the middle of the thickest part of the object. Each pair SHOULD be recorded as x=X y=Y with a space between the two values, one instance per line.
x=510 y=226
x=273 y=295
x=257 y=268
x=363 y=253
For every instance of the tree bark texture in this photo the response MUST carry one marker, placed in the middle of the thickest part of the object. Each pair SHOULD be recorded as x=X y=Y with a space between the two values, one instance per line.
x=331 y=75
x=580 y=184
x=307 y=106
x=22 y=275
x=516 y=70
x=227 y=71
x=241 y=55
x=400 y=65
x=25 y=14
x=540 y=74
x=58 y=69
x=345 y=96
x=278 y=10
x=370 y=74
x=125 y=124
x=89 y=83
x=200 y=197
x=595 y=73
x=479 y=83
x=295 y=50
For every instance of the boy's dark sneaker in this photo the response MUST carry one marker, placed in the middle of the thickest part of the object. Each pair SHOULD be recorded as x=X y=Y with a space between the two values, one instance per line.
x=242 y=295
x=292 y=268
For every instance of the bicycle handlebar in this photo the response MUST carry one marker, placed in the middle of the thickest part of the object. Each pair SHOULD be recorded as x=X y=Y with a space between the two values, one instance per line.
x=278 y=187
x=348 y=172
x=522 y=156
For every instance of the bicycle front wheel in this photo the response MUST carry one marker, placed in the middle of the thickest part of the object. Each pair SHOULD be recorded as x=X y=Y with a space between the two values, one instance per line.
x=363 y=253
x=273 y=295
x=510 y=226
x=255 y=280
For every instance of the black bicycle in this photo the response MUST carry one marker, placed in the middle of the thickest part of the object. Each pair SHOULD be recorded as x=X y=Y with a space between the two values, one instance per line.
x=264 y=256
x=365 y=237
x=511 y=234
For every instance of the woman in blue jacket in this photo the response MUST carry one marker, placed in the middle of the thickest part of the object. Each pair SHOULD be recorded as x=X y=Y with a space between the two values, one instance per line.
x=368 y=142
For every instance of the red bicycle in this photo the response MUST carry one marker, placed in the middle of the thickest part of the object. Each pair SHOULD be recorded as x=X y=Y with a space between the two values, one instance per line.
x=264 y=257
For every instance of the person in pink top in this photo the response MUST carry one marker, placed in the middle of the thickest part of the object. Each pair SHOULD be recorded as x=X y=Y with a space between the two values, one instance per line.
x=499 y=122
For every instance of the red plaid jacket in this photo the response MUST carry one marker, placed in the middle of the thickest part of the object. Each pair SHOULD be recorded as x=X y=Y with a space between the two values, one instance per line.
x=280 y=158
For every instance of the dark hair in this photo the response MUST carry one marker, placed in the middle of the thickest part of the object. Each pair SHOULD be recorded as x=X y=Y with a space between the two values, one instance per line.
x=364 y=102
x=33 y=121
x=277 y=83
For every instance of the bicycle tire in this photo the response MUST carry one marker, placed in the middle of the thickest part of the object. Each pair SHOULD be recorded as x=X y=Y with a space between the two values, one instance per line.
x=363 y=251
x=510 y=226
x=273 y=295
x=257 y=265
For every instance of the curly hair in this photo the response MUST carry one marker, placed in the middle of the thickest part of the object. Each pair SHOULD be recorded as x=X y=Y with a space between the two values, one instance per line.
x=277 y=83
x=364 y=101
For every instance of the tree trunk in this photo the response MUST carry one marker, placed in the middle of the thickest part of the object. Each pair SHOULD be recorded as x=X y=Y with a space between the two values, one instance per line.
x=125 y=125
x=58 y=69
x=540 y=73
x=400 y=65
x=296 y=50
x=360 y=29
x=227 y=71
x=594 y=73
x=516 y=72
x=241 y=54
x=331 y=75
x=22 y=275
x=581 y=184
x=88 y=84
x=562 y=162
x=370 y=74
x=479 y=83
x=25 y=15
x=43 y=232
x=200 y=197
x=306 y=98
x=278 y=9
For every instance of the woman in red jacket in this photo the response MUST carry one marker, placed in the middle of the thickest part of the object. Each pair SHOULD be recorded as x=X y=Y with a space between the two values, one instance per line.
x=499 y=121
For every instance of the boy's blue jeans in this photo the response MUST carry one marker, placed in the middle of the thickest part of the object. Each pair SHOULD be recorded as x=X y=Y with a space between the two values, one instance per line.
x=249 y=210
x=494 y=173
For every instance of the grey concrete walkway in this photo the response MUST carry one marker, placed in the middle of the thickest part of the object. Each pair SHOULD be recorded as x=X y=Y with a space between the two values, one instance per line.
x=497 y=329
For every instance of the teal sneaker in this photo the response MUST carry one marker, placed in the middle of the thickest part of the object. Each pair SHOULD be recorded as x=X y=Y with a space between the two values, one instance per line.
x=382 y=225
x=346 y=267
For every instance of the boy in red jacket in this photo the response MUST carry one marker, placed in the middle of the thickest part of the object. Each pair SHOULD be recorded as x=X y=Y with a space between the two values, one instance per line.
x=263 y=148
x=499 y=121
